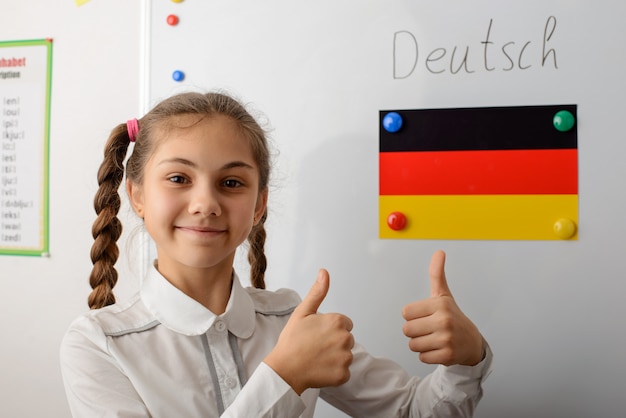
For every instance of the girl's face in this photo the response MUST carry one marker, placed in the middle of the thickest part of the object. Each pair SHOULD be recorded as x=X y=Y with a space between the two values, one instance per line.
x=200 y=195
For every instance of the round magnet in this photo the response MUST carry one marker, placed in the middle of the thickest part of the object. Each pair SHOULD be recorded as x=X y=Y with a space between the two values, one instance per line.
x=565 y=228
x=563 y=121
x=178 y=75
x=396 y=221
x=392 y=122
x=172 y=20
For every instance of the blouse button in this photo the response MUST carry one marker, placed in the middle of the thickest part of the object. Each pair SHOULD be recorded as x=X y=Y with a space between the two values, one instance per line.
x=220 y=326
x=230 y=382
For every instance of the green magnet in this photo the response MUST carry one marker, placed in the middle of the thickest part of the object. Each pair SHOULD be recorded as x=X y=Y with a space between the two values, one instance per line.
x=563 y=121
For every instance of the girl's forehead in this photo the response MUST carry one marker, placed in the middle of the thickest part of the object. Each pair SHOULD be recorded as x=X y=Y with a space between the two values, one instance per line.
x=198 y=135
x=188 y=121
x=197 y=126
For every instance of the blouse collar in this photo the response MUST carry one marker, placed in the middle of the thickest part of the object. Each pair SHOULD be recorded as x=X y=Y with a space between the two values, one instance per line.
x=183 y=314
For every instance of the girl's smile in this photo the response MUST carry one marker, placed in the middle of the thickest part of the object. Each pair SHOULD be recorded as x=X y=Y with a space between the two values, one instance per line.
x=201 y=232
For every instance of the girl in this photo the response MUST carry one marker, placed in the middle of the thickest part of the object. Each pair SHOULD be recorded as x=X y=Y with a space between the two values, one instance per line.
x=193 y=342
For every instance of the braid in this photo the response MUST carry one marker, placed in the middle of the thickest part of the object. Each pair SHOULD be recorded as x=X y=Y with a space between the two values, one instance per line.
x=256 y=254
x=107 y=228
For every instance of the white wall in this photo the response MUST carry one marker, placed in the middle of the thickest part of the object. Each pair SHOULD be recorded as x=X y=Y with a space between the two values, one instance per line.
x=95 y=85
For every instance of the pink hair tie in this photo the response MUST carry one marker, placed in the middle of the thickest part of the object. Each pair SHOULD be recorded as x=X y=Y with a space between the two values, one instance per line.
x=132 y=125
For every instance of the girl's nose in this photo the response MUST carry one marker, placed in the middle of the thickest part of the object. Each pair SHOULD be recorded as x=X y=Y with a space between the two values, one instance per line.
x=205 y=202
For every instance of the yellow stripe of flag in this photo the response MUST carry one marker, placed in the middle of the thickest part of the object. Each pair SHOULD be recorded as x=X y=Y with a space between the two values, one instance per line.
x=485 y=217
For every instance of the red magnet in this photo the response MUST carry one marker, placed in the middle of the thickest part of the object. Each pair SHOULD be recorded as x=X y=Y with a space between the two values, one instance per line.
x=396 y=221
x=172 y=20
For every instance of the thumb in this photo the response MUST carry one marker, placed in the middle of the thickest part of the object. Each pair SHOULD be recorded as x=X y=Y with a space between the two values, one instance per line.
x=312 y=301
x=438 y=283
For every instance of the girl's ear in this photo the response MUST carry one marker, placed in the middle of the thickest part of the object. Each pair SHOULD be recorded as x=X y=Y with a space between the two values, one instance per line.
x=261 y=205
x=135 y=195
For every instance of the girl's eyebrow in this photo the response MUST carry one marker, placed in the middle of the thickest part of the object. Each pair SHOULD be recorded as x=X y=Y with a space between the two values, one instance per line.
x=184 y=161
x=237 y=164
x=177 y=160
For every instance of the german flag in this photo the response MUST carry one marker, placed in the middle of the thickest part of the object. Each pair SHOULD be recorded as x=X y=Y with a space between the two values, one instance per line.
x=493 y=173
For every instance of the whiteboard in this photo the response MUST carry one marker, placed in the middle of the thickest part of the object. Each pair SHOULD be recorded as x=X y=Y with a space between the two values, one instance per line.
x=317 y=74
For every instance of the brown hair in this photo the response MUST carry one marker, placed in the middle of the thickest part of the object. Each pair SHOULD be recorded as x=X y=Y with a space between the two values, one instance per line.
x=107 y=227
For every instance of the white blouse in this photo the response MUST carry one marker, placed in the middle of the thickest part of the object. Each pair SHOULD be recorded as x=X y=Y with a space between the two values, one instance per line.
x=164 y=355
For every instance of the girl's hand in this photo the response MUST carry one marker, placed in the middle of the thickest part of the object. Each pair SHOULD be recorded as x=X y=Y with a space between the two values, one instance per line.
x=437 y=328
x=313 y=350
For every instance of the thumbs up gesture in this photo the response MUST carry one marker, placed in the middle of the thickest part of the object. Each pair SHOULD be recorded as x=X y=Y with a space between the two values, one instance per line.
x=437 y=328
x=313 y=350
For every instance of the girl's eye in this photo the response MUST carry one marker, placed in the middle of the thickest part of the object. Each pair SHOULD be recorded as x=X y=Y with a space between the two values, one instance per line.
x=177 y=179
x=231 y=183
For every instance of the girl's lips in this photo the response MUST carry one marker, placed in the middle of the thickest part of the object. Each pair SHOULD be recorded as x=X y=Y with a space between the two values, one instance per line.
x=201 y=229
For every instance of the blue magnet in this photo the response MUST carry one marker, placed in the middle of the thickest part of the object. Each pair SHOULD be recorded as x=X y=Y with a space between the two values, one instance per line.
x=392 y=122
x=178 y=75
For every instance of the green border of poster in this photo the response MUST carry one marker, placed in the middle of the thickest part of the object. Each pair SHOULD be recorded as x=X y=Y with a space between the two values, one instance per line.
x=44 y=228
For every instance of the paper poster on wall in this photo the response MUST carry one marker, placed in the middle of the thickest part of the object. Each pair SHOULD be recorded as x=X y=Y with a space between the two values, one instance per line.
x=25 y=84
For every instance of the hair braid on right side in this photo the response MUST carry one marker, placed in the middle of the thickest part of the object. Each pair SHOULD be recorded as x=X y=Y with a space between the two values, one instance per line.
x=256 y=254
x=107 y=227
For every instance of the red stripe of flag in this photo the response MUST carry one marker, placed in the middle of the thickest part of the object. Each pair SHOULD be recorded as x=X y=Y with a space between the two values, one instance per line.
x=552 y=171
